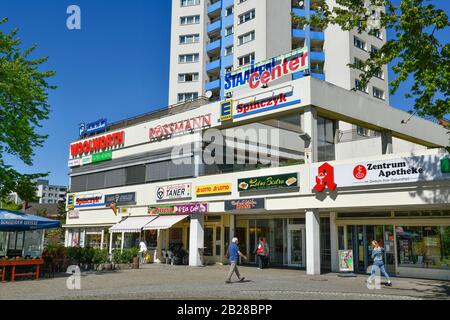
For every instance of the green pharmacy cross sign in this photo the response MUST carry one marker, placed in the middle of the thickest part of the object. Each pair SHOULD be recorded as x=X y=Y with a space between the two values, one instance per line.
x=268 y=182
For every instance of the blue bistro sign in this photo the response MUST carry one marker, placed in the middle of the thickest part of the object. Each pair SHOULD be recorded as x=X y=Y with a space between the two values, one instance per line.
x=93 y=127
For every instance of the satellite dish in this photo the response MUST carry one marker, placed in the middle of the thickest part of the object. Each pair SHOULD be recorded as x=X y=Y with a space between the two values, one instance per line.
x=208 y=94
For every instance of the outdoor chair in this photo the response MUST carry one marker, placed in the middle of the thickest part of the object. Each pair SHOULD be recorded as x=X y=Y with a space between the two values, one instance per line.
x=170 y=257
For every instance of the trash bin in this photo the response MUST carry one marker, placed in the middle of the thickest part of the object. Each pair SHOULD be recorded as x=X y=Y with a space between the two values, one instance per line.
x=136 y=263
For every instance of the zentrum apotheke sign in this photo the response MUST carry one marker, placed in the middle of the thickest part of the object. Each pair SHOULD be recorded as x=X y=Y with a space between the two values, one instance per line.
x=98 y=144
x=256 y=75
x=389 y=171
x=168 y=130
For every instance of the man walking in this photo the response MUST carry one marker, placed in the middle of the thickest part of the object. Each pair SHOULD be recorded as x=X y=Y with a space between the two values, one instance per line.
x=234 y=253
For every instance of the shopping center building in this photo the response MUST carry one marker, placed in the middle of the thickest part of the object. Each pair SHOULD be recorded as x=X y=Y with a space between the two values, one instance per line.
x=281 y=149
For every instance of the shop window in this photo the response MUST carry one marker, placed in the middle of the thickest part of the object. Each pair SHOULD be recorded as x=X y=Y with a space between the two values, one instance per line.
x=115 y=178
x=151 y=238
x=218 y=240
x=341 y=243
x=326 y=129
x=423 y=247
x=96 y=181
x=135 y=175
x=131 y=240
x=213 y=218
x=208 y=242
x=175 y=236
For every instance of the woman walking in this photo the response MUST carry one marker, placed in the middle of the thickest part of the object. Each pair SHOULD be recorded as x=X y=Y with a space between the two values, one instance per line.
x=261 y=253
x=377 y=257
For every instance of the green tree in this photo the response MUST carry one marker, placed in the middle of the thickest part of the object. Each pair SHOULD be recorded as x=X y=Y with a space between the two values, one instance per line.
x=414 y=53
x=23 y=106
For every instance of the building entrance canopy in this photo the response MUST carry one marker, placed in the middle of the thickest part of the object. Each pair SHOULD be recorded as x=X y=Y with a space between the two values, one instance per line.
x=164 y=222
x=131 y=224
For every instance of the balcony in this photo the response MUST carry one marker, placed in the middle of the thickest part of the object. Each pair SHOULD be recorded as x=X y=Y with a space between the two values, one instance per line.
x=317 y=55
x=214 y=45
x=214 y=7
x=213 y=65
x=319 y=76
x=213 y=85
x=317 y=35
x=298 y=34
x=299 y=12
x=214 y=26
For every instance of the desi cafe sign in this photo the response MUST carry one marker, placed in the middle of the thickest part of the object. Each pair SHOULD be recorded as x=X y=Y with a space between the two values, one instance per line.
x=389 y=171
x=258 y=74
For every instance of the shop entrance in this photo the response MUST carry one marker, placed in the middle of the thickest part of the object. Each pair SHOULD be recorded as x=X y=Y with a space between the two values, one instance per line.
x=296 y=246
x=359 y=240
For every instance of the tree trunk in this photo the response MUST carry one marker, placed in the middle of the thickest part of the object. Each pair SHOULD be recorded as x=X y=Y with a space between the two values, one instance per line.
x=24 y=205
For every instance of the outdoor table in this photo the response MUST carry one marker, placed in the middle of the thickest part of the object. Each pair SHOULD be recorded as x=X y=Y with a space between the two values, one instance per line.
x=14 y=263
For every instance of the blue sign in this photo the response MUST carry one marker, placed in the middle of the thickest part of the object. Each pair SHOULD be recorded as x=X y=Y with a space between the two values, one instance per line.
x=226 y=110
x=93 y=127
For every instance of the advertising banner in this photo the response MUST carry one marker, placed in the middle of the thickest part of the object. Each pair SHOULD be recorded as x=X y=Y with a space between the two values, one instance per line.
x=89 y=200
x=346 y=260
x=179 y=209
x=212 y=189
x=390 y=171
x=174 y=192
x=70 y=201
x=121 y=199
x=268 y=182
x=245 y=204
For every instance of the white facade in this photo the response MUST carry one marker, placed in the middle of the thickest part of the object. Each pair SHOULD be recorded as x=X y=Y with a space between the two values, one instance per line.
x=142 y=166
x=48 y=193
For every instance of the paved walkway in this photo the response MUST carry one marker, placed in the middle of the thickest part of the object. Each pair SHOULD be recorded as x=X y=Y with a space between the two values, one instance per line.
x=182 y=282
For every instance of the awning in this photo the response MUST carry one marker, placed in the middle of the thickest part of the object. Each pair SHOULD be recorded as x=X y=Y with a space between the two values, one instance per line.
x=131 y=224
x=164 y=222
x=19 y=221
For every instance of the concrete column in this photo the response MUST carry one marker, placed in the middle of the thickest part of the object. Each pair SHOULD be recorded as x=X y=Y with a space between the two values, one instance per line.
x=198 y=168
x=111 y=235
x=232 y=227
x=66 y=238
x=102 y=239
x=334 y=242
x=196 y=240
x=312 y=242
x=157 y=254
x=309 y=127
x=122 y=242
x=386 y=142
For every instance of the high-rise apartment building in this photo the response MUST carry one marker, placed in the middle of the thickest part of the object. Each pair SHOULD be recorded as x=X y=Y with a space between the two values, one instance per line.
x=210 y=38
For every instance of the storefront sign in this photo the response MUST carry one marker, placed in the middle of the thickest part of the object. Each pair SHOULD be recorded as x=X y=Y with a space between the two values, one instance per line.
x=190 y=208
x=70 y=201
x=245 y=204
x=75 y=163
x=93 y=127
x=258 y=74
x=268 y=182
x=176 y=128
x=275 y=102
x=445 y=165
x=95 y=158
x=73 y=214
x=401 y=170
x=98 y=144
x=120 y=199
x=325 y=178
x=89 y=200
x=213 y=189
x=173 y=192
x=346 y=261
x=226 y=110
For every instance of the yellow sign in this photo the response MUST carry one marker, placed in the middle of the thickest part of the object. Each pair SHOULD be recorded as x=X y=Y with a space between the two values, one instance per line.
x=213 y=189
x=226 y=110
x=70 y=201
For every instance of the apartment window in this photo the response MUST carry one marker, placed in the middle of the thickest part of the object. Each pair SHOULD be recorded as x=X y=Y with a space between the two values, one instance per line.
x=187 y=3
x=362 y=131
x=188 y=77
x=190 y=38
x=187 y=96
x=228 y=50
x=378 y=34
x=190 y=20
x=228 y=31
x=189 y=58
x=250 y=36
x=359 y=43
x=247 y=59
x=380 y=74
x=242 y=1
x=358 y=63
x=374 y=49
x=229 y=11
x=378 y=93
x=228 y=69
x=360 y=87
x=247 y=16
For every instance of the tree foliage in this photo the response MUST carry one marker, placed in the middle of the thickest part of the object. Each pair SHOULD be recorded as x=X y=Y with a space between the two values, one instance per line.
x=415 y=52
x=23 y=106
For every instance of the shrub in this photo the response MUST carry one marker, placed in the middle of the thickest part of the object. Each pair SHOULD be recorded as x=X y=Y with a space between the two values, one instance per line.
x=100 y=256
x=126 y=256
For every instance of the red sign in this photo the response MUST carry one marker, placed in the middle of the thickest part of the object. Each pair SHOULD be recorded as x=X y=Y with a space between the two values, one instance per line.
x=180 y=127
x=360 y=172
x=97 y=144
x=274 y=101
x=325 y=178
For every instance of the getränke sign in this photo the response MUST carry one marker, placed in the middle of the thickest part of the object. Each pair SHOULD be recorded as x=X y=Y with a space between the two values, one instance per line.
x=256 y=75
x=179 y=127
x=97 y=144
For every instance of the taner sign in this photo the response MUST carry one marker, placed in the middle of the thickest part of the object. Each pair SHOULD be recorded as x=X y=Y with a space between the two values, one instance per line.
x=174 y=192
x=261 y=73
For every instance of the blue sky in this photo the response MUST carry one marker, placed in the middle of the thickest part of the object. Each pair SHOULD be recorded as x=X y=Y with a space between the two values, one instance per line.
x=116 y=67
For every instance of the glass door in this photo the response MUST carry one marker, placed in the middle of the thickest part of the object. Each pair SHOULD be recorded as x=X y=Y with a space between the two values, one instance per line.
x=296 y=246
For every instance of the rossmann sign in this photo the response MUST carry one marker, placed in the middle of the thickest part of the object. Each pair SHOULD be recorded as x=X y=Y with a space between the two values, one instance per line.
x=98 y=144
x=259 y=74
x=389 y=171
x=167 y=130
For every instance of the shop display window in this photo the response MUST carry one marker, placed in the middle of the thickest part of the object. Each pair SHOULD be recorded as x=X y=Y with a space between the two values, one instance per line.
x=423 y=247
x=131 y=240
x=175 y=236
x=33 y=244
x=151 y=238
